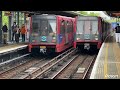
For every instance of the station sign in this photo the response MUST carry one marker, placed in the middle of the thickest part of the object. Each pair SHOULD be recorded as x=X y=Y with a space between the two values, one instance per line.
x=7 y=13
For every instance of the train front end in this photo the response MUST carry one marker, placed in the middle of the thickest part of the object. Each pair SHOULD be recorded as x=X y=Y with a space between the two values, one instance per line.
x=43 y=33
x=87 y=32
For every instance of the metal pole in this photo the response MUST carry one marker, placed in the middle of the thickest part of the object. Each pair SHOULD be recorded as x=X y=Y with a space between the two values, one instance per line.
x=24 y=18
x=18 y=18
x=0 y=27
x=10 y=28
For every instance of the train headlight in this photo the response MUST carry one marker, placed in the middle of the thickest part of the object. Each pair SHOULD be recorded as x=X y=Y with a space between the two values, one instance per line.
x=96 y=38
x=78 y=38
x=35 y=34
x=54 y=38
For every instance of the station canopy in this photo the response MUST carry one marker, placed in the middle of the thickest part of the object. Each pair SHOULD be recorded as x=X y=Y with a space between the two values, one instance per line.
x=63 y=13
x=113 y=13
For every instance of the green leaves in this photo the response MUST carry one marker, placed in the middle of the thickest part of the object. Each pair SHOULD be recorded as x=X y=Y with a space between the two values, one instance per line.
x=5 y=19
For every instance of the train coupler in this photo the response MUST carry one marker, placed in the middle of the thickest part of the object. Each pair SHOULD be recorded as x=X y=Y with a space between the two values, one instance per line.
x=43 y=51
x=87 y=46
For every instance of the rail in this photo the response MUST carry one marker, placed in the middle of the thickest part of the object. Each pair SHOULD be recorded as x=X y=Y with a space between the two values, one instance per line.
x=46 y=67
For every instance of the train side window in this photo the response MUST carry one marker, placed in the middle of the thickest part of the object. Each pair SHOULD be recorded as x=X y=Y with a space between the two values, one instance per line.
x=62 y=27
x=68 y=27
x=71 y=26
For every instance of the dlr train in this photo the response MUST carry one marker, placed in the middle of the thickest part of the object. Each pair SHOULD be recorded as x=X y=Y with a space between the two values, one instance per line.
x=55 y=33
x=51 y=33
x=90 y=32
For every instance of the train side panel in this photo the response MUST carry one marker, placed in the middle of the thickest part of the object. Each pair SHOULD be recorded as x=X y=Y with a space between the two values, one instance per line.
x=65 y=33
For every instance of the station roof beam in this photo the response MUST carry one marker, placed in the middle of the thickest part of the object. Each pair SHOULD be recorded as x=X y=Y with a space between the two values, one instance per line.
x=63 y=13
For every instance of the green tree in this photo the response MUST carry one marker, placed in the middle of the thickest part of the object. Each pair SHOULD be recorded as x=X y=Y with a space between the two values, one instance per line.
x=113 y=20
x=5 y=19
x=93 y=14
x=88 y=14
x=83 y=12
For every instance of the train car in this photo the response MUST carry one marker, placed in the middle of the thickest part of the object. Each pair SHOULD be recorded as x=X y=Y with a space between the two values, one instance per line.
x=51 y=33
x=90 y=32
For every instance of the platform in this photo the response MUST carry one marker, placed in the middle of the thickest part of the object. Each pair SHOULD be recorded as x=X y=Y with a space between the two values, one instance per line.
x=107 y=64
x=11 y=48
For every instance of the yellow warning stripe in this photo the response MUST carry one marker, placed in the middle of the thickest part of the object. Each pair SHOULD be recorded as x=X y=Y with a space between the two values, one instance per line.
x=116 y=50
x=105 y=62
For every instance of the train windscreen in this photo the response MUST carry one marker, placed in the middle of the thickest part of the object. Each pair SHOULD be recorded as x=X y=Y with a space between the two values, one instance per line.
x=35 y=27
x=43 y=30
x=80 y=25
x=47 y=27
x=87 y=28
x=94 y=27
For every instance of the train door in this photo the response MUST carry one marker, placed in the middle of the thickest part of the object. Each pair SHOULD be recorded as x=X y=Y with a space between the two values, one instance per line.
x=66 y=32
x=62 y=32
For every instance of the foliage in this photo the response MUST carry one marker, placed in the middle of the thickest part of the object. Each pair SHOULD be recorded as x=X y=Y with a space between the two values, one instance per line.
x=89 y=14
x=83 y=12
x=113 y=20
x=5 y=19
x=94 y=14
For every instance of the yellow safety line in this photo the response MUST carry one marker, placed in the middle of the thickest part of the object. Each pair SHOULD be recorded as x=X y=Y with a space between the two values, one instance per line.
x=105 y=62
x=116 y=54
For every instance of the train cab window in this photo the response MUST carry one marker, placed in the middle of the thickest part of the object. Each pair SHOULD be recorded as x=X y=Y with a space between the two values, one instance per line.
x=44 y=28
x=52 y=26
x=80 y=27
x=35 y=27
x=62 y=27
x=94 y=27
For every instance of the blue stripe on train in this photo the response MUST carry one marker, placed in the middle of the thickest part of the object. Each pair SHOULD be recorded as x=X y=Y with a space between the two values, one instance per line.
x=59 y=38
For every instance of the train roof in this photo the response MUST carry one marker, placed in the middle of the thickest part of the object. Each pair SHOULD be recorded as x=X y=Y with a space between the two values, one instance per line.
x=93 y=18
x=50 y=16
x=87 y=17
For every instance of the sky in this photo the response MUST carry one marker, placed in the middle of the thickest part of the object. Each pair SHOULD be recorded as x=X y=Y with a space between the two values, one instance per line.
x=101 y=14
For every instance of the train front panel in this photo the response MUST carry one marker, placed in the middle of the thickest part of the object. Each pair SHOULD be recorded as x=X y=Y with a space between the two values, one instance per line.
x=88 y=32
x=43 y=33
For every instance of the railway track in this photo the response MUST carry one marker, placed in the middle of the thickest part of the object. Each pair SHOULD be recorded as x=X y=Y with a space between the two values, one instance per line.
x=40 y=71
x=83 y=68
x=15 y=61
x=76 y=68
x=30 y=69
x=68 y=65
x=7 y=74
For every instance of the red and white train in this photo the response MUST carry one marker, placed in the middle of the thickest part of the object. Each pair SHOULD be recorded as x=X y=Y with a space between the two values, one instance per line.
x=51 y=33
x=55 y=33
x=90 y=32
